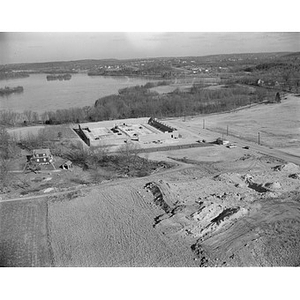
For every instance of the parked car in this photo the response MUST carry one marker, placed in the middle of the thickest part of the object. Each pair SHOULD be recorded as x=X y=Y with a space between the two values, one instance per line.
x=231 y=146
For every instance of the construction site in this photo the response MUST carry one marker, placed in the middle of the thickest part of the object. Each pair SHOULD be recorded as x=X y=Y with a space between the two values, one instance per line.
x=213 y=194
x=118 y=132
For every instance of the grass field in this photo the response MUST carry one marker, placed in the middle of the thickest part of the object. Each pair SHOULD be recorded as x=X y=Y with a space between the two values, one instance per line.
x=112 y=226
x=23 y=234
x=278 y=124
x=50 y=131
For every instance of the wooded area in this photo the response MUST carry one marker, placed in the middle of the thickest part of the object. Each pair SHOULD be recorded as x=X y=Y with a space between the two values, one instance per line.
x=140 y=101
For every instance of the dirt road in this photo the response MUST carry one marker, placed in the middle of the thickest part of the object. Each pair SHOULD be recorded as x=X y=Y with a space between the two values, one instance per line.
x=180 y=166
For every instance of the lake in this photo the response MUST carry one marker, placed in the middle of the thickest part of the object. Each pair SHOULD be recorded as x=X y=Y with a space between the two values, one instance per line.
x=41 y=95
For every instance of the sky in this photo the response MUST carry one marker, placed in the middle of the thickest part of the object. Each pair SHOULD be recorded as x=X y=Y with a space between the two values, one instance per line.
x=25 y=47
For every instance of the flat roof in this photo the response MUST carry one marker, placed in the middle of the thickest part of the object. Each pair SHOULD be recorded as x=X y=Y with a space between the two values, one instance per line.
x=41 y=151
x=119 y=129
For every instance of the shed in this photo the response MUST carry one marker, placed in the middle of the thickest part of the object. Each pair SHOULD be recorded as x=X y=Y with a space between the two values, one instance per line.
x=221 y=141
x=67 y=165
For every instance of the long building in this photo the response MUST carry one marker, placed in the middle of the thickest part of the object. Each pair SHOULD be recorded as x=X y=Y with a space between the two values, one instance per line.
x=143 y=130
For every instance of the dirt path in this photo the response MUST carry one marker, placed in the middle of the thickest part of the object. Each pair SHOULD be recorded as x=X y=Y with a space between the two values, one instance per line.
x=180 y=166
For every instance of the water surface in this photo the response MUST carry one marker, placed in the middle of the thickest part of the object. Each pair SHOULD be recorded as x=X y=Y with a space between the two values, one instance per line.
x=41 y=95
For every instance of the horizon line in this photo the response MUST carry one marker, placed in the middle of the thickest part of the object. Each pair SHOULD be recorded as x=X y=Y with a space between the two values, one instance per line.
x=146 y=58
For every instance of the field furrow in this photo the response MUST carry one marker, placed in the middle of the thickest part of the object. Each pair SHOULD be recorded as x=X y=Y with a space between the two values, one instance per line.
x=23 y=234
x=110 y=227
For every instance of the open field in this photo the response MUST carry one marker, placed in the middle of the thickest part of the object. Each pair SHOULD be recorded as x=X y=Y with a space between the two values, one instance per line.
x=278 y=124
x=23 y=234
x=49 y=131
x=185 y=85
x=109 y=227
x=218 y=207
x=22 y=132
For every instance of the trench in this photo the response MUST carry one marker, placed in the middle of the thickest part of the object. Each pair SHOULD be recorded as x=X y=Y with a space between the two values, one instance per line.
x=158 y=196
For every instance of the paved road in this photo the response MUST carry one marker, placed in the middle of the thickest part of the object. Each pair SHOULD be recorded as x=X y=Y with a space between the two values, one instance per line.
x=242 y=143
x=266 y=150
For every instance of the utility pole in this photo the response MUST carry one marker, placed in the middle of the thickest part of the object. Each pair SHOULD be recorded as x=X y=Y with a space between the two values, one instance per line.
x=203 y=123
x=227 y=130
x=258 y=138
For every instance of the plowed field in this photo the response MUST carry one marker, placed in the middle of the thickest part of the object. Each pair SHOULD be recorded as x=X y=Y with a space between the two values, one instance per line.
x=111 y=226
x=23 y=234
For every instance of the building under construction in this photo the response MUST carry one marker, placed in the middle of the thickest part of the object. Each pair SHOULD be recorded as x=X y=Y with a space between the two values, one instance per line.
x=143 y=130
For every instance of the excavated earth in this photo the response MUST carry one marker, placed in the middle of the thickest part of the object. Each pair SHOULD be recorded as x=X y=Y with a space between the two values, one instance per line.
x=247 y=215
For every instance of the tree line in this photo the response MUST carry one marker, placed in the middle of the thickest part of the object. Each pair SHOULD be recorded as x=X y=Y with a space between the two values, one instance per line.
x=141 y=101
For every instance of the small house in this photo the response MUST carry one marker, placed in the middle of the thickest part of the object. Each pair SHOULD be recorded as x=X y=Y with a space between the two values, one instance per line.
x=42 y=156
x=37 y=158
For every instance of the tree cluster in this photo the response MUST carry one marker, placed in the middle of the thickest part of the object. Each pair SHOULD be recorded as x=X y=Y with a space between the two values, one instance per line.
x=141 y=101
x=8 y=150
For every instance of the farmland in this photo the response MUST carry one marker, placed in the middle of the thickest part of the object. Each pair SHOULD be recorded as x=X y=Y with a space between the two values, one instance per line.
x=108 y=227
x=23 y=234
x=111 y=227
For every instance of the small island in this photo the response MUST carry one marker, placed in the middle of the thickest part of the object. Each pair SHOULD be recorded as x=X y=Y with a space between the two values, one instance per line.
x=9 y=90
x=59 y=77
x=6 y=75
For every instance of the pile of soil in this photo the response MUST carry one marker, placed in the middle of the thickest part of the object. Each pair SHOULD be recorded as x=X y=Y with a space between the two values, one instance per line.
x=273 y=185
x=289 y=167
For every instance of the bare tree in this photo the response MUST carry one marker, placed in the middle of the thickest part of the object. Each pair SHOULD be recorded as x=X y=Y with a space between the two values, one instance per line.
x=8 y=146
x=8 y=117
x=4 y=173
x=35 y=117
x=44 y=116
x=28 y=114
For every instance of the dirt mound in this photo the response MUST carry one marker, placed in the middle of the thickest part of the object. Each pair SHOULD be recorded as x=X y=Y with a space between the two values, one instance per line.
x=233 y=178
x=273 y=185
x=289 y=167
x=295 y=176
